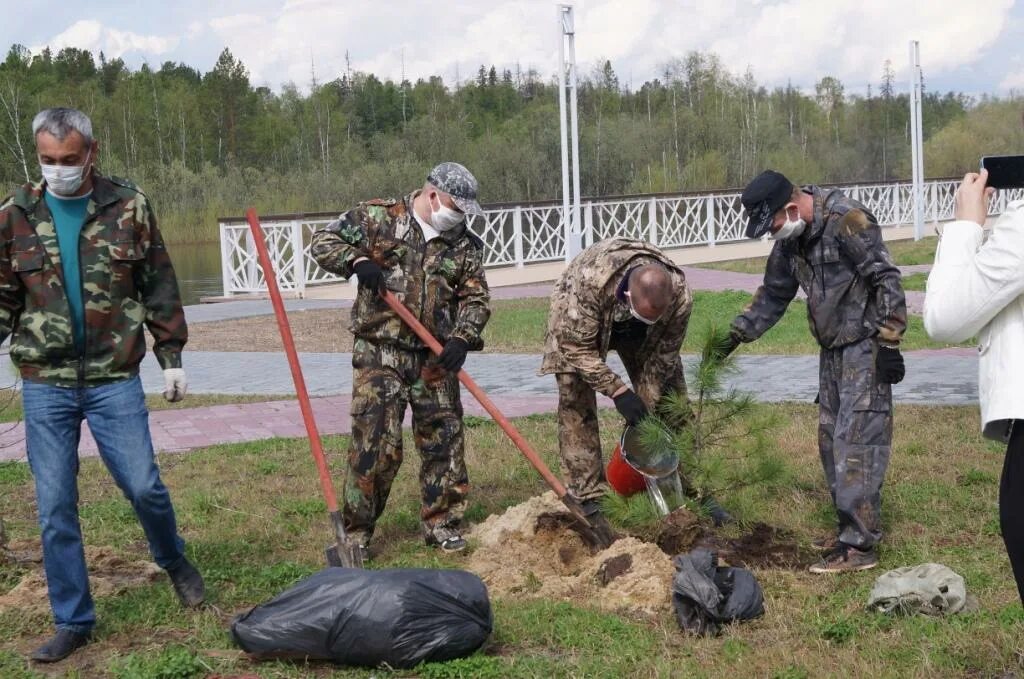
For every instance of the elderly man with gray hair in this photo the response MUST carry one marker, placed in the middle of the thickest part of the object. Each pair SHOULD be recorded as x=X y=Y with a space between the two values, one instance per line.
x=83 y=271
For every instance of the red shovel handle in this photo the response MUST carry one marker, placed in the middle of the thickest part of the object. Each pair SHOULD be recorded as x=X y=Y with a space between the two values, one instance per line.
x=478 y=393
x=293 y=361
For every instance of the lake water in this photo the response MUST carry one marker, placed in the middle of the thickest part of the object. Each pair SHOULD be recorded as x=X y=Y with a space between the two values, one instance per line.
x=197 y=266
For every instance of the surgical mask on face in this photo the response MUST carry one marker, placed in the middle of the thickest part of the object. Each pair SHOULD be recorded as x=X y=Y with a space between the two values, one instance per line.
x=444 y=218
x=636 y=314
x=64 y=180
x=790 y=229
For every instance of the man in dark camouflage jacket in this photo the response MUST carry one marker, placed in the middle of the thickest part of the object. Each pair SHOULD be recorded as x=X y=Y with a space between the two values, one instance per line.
x=83 y=270
x=421 y=250
x=831 y=246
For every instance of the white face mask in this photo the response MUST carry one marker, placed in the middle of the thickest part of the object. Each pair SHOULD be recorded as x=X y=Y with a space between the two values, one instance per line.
x=636 y=314
x=445 y=218
x=64 y=180
x=791 y=229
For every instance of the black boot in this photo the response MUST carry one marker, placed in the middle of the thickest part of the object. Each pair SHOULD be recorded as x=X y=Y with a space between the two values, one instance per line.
x=64 y=643
x=718 y=515
x=188 y=584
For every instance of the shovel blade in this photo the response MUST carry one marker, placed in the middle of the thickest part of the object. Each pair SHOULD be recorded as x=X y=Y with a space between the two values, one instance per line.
x=594 y=529
x=344 y=552
x=344 y=555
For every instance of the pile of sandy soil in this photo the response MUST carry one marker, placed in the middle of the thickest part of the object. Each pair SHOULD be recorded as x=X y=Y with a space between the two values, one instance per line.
x=109 y=574
x=529 y=552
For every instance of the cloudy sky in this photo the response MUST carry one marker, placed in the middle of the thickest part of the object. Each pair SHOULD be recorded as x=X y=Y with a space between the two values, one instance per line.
x=966 y=46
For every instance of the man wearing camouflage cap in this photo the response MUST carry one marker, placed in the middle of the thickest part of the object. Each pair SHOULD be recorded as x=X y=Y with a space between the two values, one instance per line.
x=831 y=246
x=83 y=270
x=420 y=248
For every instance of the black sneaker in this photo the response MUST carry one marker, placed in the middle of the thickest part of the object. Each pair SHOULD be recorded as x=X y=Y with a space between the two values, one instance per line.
x=448 y=539
x=188 y=584
x=846 y=559
x=64 y=643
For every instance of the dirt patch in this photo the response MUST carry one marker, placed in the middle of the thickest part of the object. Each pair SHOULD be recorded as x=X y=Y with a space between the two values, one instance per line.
x=109 y=573
x=763 y=546
x=678 y=532
x=529 y=553
x=614 y=567
x=322 y=330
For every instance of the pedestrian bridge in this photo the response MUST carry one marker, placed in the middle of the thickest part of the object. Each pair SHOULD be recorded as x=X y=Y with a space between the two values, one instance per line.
x=526 y=243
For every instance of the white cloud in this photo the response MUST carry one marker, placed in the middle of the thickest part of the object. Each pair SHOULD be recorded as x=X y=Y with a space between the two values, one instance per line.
x=94 y=36
x=780 y=40
x=1013 y=80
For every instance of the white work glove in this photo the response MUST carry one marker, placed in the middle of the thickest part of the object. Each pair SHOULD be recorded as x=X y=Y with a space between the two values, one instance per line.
x=175 y=384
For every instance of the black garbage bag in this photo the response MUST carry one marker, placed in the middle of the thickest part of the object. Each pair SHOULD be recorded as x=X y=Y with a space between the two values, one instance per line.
x=398 y=617
x=706 y=596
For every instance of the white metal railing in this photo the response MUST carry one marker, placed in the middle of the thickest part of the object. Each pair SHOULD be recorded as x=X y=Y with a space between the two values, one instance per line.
x=520 y=235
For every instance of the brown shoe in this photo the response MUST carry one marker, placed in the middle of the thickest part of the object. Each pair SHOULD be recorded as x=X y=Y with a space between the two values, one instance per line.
x=846 y=559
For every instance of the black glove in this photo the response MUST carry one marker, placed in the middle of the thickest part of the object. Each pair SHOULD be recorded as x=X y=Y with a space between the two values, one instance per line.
x=370 y=276
x=453 y=355
x=630 y=407
x=889 y=364
x=723 y=351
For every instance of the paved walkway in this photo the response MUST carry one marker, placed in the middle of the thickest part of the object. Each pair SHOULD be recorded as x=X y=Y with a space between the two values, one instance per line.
x=941 y=377
x=944 y=377
x=698 y=279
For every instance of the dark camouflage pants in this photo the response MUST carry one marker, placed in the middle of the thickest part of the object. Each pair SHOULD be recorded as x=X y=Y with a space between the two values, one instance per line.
x=384 y=381
x=854 y=439
x=579 y=437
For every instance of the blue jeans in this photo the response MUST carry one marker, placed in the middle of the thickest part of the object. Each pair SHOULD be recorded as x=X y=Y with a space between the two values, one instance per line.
x=119 y=422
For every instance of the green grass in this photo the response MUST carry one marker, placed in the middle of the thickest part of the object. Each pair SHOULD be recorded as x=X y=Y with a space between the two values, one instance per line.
x=904 y=253
x=915 y=281
x=254 y=522
x=519 y=327
x=11 y=409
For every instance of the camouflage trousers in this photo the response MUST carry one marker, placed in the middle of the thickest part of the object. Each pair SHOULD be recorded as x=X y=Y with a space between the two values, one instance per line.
x=386 y=379
x=855 y=439
x=579 y=437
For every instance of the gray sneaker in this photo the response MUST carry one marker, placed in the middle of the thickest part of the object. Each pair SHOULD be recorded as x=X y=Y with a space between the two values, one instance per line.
x=448 y=539
x=846 y=559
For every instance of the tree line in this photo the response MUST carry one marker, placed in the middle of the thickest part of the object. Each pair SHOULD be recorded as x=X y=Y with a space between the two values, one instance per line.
x=205 y=145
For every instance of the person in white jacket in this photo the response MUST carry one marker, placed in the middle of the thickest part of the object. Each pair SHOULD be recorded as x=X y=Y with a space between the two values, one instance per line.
x=976 y=288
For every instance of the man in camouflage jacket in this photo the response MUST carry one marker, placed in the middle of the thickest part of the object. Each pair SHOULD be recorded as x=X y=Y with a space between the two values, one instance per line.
x=623 y=295
x=421 y=250
x=831 y=246
x=83 y=270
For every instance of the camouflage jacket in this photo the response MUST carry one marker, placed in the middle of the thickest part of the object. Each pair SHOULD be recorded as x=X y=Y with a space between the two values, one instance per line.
x=853 y=289
x=584 y=306
x=441 y=281
x=127 y=281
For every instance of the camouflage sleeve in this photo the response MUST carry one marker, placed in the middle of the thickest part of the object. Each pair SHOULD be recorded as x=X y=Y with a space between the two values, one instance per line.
x=158 y=286
x=578 y=340
x=861 y=240
x=340 y=243
x=473 y=297
x=11 y=298
x=771 y=299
